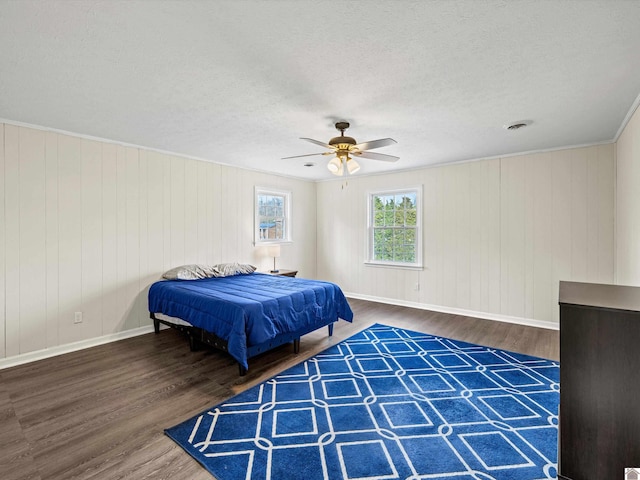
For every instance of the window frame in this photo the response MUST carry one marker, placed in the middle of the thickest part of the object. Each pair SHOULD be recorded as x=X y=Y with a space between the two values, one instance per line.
x=259 y=191
x=417 y=264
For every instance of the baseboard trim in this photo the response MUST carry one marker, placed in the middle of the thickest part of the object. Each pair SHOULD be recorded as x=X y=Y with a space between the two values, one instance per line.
x=72 y=347
x=530 y=322
x=114 y=337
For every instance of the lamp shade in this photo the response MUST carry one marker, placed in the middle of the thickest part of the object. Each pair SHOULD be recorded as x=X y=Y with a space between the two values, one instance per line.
x=273 y=250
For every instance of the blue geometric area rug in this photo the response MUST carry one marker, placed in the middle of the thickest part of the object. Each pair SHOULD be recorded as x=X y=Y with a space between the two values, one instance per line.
x=388 y=403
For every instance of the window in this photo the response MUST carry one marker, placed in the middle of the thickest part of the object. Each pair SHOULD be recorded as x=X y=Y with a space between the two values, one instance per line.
x=273 y=216
x=394 y=228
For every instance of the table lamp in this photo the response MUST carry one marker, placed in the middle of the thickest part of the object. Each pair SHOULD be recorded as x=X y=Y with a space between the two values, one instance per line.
x=274 y=251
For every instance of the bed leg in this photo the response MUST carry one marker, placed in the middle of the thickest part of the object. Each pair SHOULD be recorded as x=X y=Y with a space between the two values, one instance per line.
x=243 y=371
x=193 y=343
x=331 y=329
x=156 y=323
x=296 y=345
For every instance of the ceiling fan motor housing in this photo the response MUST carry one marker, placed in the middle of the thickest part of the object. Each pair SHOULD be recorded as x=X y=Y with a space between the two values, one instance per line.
x=342 y=140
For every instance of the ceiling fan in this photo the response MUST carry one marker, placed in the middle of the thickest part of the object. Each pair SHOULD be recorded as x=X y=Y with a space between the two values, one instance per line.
x=345 y=149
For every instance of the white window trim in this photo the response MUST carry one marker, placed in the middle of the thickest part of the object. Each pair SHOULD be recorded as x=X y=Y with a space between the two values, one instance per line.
x=287 y=215
x=417 y=265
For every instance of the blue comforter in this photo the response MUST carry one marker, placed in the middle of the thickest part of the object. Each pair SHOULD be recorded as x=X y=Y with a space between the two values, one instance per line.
x=250 y=309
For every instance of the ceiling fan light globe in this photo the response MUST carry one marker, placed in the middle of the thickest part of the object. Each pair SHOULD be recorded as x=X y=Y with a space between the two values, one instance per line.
x=334 y=165
x=352 y=166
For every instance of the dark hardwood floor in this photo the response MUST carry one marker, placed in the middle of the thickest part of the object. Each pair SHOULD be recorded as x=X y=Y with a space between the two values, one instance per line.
x=100 y=413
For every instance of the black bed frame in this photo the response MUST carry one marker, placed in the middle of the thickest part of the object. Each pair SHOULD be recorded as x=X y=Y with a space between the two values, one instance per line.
x=198 y=336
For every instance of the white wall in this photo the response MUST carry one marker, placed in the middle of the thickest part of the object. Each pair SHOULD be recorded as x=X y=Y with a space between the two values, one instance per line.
x=628 y=204
x=498 y=234
x=88 y=226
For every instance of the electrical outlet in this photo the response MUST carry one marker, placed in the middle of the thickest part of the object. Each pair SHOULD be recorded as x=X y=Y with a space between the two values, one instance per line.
x=77 y=317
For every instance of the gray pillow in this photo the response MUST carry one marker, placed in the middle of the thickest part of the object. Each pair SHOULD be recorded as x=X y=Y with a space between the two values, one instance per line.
x=190 y=272
x=230 y=269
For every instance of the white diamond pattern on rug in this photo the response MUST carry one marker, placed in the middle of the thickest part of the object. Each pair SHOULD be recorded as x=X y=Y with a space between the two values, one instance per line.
x=388 y=403
x=398 y=347
x=405 y=414
x=508 y=407
x=484 y=446
x=370 y=365
x=374 y=451
x=431 y=383
x=294 y=421
x=341 y=388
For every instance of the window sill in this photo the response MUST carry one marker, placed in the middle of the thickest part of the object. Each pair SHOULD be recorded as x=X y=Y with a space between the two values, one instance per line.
x=394 y=265
x=272 y=242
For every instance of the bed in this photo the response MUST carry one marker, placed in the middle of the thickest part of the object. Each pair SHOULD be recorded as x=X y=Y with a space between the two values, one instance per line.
x=247 y=314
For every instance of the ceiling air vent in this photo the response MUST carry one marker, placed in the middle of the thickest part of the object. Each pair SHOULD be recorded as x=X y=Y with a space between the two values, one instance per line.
x=516 y=126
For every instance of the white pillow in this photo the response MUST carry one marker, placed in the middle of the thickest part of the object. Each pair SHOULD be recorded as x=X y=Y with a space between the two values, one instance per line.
x=197 y=271
x=189 y=272
x=230 y=269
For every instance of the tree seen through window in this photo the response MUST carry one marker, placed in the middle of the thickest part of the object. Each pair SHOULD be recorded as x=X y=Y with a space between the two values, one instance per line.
x=394 y=227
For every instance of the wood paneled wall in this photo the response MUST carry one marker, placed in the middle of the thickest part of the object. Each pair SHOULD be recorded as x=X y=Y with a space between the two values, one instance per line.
x=628 y=204
x=87 y=226
x=498 y=234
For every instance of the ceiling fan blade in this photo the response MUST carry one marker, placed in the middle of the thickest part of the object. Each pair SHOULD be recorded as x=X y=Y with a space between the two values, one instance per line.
x=376 y=156
x=383 y=142
x=317 y=142
x=308 y=155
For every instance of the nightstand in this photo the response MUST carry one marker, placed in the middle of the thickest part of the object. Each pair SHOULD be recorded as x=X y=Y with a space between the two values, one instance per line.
x=284 y=273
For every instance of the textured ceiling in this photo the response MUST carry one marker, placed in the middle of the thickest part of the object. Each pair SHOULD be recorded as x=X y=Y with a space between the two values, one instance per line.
x=238 y=82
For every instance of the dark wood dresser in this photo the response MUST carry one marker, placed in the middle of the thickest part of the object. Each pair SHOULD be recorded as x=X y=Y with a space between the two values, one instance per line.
x=599 y=432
